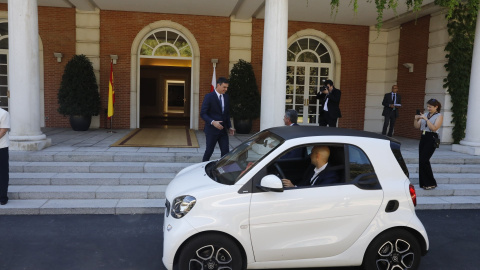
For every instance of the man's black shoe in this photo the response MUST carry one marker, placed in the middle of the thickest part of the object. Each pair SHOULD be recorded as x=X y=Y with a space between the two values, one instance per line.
x=3 y=203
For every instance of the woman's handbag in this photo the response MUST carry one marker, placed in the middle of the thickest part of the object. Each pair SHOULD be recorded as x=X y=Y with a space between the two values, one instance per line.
x=436 y=142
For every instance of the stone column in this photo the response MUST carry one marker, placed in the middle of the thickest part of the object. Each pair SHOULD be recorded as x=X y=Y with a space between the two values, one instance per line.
x=471 y=143
x=88 y=43
x=437 y=41
x=382 y=73
x=274 y=66
x=24 y=76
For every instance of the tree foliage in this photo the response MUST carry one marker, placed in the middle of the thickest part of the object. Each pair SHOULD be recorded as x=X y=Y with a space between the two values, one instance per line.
x=381 y=5
x=243 y=92
x=78 y=93
x=462 y=18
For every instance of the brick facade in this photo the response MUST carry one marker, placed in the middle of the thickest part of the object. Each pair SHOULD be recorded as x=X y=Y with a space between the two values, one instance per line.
x=413 y=48
x=56 y=27
x=118 y=29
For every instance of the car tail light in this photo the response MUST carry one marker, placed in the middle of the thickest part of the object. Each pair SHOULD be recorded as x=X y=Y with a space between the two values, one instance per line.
x=413 y=194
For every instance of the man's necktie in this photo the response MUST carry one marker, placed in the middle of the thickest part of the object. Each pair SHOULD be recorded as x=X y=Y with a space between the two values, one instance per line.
x=394 y=98
x=221 y=103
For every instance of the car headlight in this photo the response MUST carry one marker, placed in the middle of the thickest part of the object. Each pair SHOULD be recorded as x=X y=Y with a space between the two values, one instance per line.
x=182 y=205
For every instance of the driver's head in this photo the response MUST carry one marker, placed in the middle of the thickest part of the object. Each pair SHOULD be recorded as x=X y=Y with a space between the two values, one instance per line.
x=320 y=155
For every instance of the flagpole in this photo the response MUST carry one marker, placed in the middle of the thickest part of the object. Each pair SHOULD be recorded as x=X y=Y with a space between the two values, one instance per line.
x=111 y=125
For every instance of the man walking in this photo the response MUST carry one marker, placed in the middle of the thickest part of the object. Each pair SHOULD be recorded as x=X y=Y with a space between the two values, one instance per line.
x=215 y=113
x=391 y=103
x=4 y=167
x=330 y=111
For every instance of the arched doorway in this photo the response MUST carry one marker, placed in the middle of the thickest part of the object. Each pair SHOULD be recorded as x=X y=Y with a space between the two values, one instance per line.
x=310 y=62
x=165 y=57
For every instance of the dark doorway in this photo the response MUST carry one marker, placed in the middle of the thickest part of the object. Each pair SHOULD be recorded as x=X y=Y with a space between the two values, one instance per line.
x=164 y=96
x=176 y=96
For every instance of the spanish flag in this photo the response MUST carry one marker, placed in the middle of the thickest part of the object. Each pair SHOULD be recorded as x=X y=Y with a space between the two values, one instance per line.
x=111 y=93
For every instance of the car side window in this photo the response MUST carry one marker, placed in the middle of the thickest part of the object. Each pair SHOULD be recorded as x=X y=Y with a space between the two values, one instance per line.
x=358 y=162
x=301 y=172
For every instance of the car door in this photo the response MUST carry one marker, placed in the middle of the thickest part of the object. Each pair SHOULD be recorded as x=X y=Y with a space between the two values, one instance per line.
x=310 y=222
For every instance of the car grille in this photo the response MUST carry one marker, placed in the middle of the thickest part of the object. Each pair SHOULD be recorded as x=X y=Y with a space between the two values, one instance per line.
x=167 y=208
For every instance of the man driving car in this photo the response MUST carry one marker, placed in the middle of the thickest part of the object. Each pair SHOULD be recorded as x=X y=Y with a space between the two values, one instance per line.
x=319 y=173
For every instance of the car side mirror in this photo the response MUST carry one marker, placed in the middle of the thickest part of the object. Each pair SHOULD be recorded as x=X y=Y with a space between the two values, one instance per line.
x=271 y=183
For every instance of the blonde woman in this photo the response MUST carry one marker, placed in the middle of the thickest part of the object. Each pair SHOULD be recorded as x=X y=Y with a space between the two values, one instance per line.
x=429 y=123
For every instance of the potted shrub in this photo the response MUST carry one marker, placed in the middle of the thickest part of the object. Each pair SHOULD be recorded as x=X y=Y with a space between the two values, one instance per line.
x=244 y=96
x=78 y=95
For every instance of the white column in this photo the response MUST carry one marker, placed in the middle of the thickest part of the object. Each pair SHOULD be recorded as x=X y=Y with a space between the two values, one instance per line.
x=24 y=76
x=438 y=39
x=274 y=66
x=471 y=143
x=383 y=48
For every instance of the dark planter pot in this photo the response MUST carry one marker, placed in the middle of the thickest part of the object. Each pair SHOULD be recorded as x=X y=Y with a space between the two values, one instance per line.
x=80 y=122
x=243 y=126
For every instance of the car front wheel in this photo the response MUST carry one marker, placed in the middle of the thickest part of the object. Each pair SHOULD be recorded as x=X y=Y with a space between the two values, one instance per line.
x=210 y=251
x=394 y=250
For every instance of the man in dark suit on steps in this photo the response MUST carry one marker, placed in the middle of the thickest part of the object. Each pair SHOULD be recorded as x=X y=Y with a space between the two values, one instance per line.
x=319 y=173
x=391 y=103
x=215 y=113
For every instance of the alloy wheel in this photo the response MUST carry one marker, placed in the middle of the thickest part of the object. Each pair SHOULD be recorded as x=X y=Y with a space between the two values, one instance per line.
x=211 y=258
x=395 y=256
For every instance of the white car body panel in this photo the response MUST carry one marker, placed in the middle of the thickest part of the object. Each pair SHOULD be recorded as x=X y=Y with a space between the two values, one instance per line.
x=312 y=222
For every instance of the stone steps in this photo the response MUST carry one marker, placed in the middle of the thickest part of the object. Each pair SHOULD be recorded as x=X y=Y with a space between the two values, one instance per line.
x=86 y=192
x=448 y=168
x=96 y=167
x=110 y=179
x=451 y=178
x=448 y=202
x=83 y=206
x=82 y=183
x=444 y=160
x=451 y=190
x=102 y=156
x=129 y=181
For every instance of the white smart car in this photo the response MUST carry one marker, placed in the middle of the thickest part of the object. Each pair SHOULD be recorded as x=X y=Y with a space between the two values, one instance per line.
x=234 y=213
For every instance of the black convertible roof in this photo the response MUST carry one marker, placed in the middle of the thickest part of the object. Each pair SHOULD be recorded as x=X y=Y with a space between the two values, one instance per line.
x=288 y=132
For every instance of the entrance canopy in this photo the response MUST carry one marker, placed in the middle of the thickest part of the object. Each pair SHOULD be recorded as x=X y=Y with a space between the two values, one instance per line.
x=298 y=10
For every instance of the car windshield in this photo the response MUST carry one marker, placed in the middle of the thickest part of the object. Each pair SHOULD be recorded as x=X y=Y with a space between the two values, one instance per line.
x=230 y=168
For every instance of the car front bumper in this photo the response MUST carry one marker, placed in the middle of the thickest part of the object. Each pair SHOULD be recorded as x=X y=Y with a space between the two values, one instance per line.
x=175 y=232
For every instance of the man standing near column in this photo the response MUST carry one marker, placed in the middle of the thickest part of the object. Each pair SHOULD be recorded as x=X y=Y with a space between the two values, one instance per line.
x=4 y=167
x=215 y=113
x=330 y=98
x=391 y=103
x=290 y=118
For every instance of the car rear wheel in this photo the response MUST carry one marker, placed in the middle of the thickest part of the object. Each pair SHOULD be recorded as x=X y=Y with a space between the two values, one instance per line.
x=210 y=251
x=393 y=250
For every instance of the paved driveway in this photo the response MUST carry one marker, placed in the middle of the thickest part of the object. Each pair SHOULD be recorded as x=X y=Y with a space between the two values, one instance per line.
x=126 y=242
